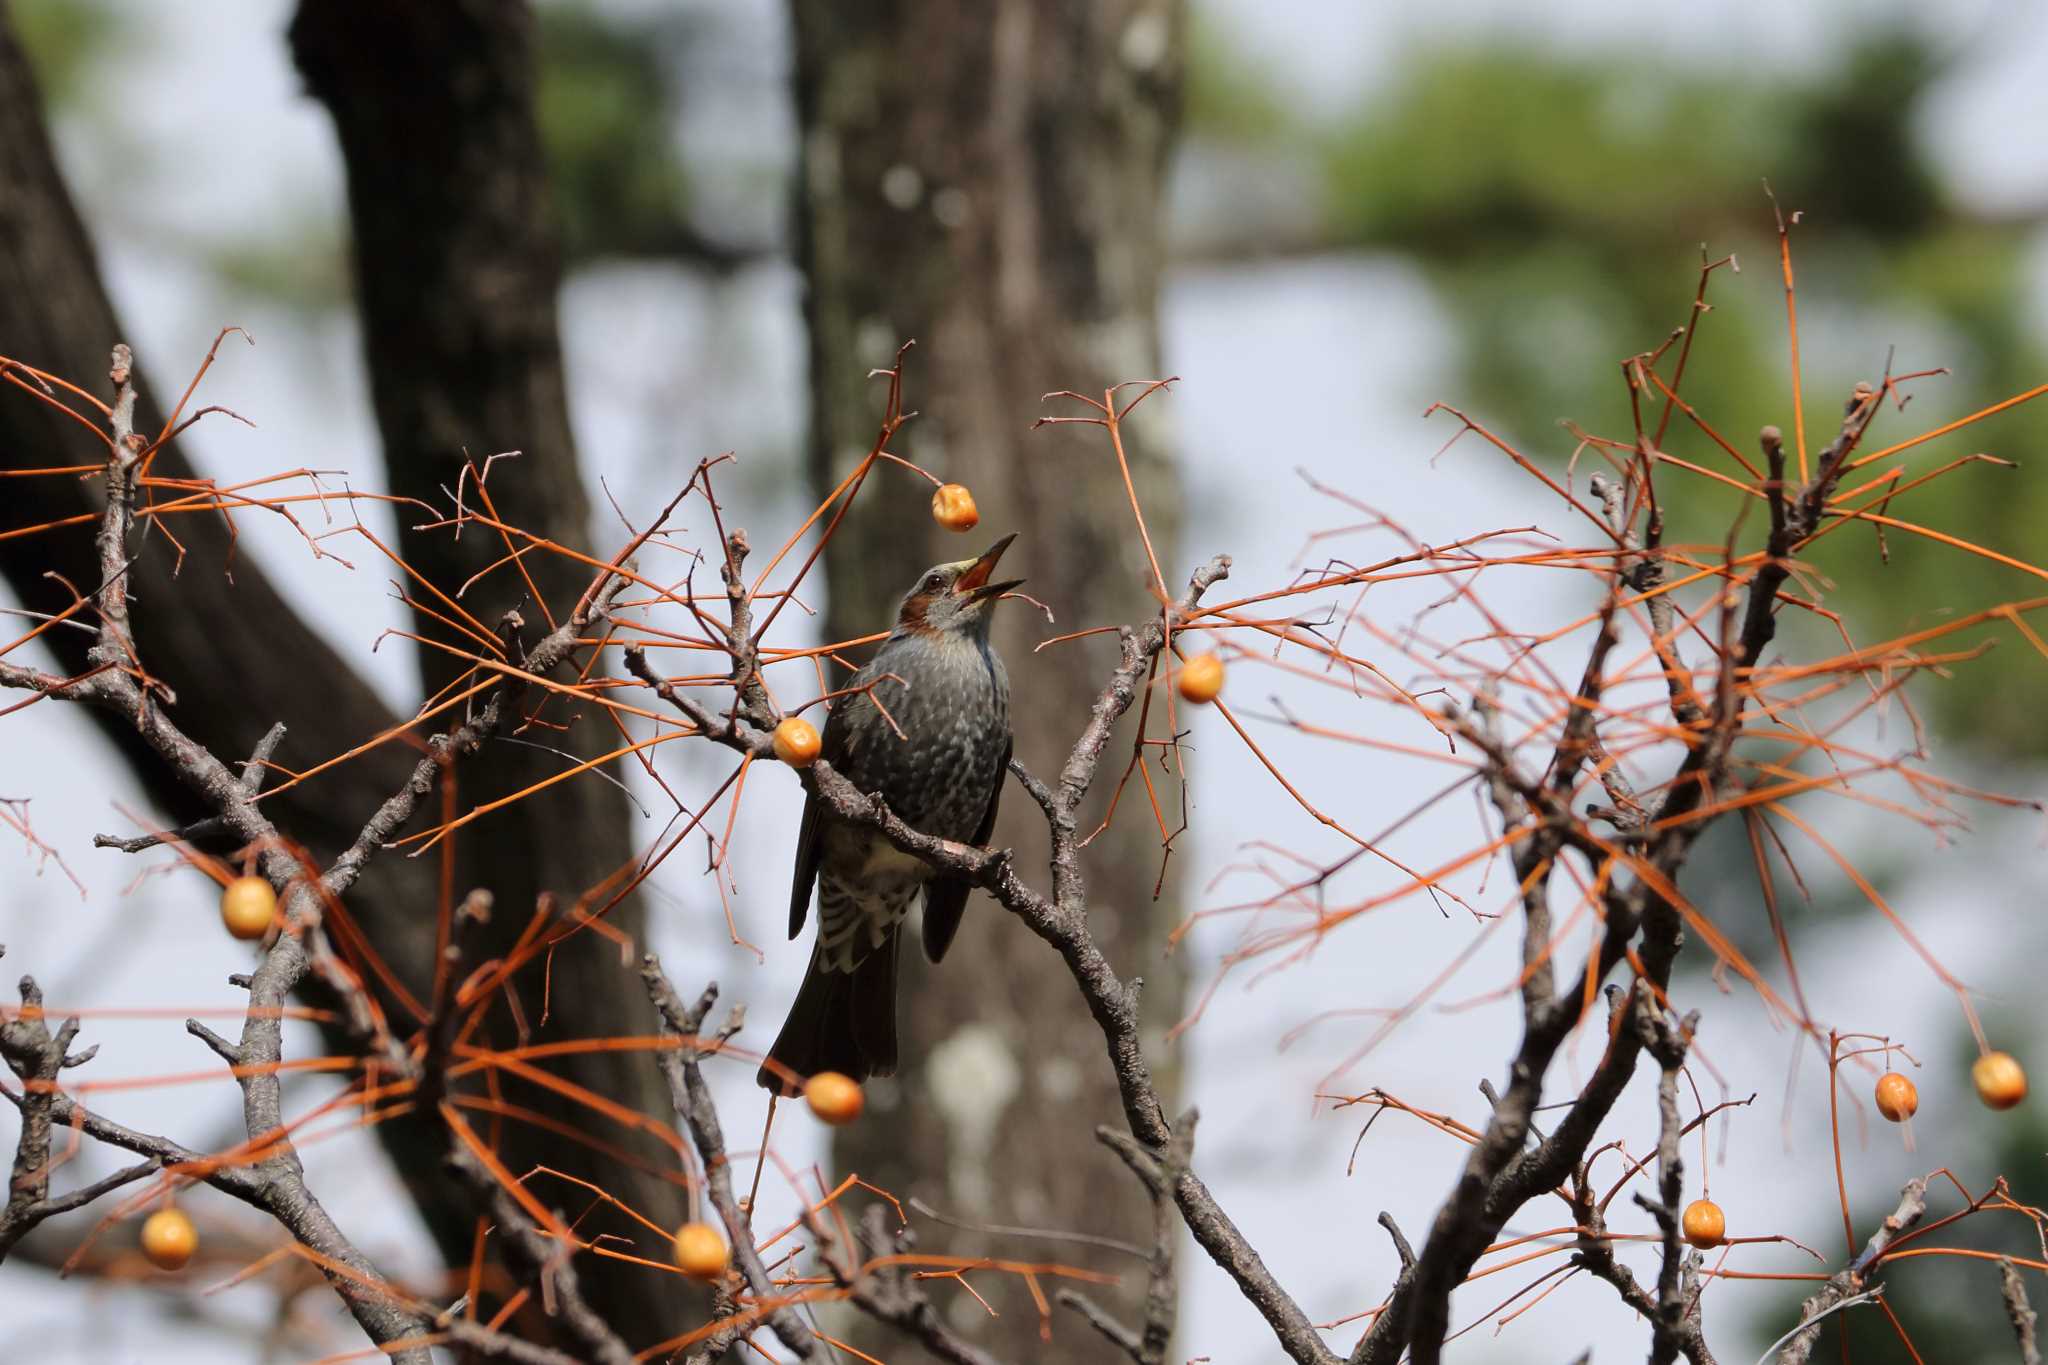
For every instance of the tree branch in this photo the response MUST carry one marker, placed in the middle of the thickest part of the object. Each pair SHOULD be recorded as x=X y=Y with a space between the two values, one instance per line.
x=2014 y=1291
x=698 y=1117
x=1860 y=1279
x=1062 y=921
x=1159 y=1174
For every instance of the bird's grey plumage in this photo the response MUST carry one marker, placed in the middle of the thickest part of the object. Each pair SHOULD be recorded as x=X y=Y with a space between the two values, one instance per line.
x=925 y=725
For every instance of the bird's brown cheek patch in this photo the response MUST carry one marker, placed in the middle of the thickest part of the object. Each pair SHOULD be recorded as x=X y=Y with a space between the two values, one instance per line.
x=916 y=613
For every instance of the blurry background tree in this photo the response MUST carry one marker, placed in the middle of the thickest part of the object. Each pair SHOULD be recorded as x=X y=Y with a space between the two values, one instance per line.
x=988 y=180
x=457 y=269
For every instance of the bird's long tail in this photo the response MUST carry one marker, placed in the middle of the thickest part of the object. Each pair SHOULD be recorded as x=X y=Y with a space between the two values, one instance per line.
x=841 y=1021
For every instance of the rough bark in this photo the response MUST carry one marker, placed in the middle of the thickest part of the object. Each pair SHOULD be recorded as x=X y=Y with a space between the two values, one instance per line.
x=457 y=269
x=987 y=180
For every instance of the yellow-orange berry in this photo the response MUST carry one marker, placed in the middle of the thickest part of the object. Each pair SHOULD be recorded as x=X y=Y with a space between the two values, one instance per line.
x=1704 y=1224
x=834 y=1098
x=247 y=907
x=2001 y=1080
x=953 y=507
x=1897 y=1098
x=700 y=1251
x=796 y=742
x=1201 y=678
x=169 y=1239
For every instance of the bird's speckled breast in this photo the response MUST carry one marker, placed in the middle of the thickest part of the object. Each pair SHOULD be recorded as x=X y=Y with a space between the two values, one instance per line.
x=953 y=707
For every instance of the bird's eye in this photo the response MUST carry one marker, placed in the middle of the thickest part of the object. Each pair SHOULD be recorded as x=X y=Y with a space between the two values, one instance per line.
x=932 y=580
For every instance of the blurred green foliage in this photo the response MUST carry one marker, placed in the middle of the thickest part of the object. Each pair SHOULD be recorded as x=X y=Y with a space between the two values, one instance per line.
x=66 y=40
x=1562 y=204
x=1229 y=98
x=297 y=261
x=608 y=109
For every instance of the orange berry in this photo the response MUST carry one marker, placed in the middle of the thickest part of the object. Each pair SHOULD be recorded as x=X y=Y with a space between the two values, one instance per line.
x=1704 y=1224
x=2001 y=1080
x=1897 y=1098
x=834 y=1098
x=169 y=1239
x=247 y=907
x=1201 y=678
x=953 y=507
x=700 y=1251
x=796 y=742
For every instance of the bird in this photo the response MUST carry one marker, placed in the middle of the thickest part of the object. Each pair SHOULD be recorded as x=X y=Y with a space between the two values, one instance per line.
x=926 y=726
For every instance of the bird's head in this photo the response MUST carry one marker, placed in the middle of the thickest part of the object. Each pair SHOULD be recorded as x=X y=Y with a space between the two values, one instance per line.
x=958 y=598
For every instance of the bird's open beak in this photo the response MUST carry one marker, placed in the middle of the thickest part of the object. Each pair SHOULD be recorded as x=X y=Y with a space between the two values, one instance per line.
x=974 y=585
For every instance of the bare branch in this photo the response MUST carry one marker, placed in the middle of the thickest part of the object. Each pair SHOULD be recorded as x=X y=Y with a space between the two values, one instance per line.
x=1859 y=1280
x=1159 y=1174
x=892 y=1294
x=2021 y=1313
x=698 y=1116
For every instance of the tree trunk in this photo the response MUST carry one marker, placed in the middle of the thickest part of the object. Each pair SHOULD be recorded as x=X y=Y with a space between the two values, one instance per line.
x=202 y=627
x=987 y=179
x=458 y=277
x=238 y=656
x=457 y=271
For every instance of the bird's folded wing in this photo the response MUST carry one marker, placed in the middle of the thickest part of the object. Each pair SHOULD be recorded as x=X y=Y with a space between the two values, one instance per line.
x=810 y=839
x=809 y=847
x=945 y=898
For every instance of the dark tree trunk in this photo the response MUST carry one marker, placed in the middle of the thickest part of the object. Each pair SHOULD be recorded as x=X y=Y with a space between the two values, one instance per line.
x=237 y=654
x=988 y=180
x=457 y=277
x=196 y=631
x=457 y=269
